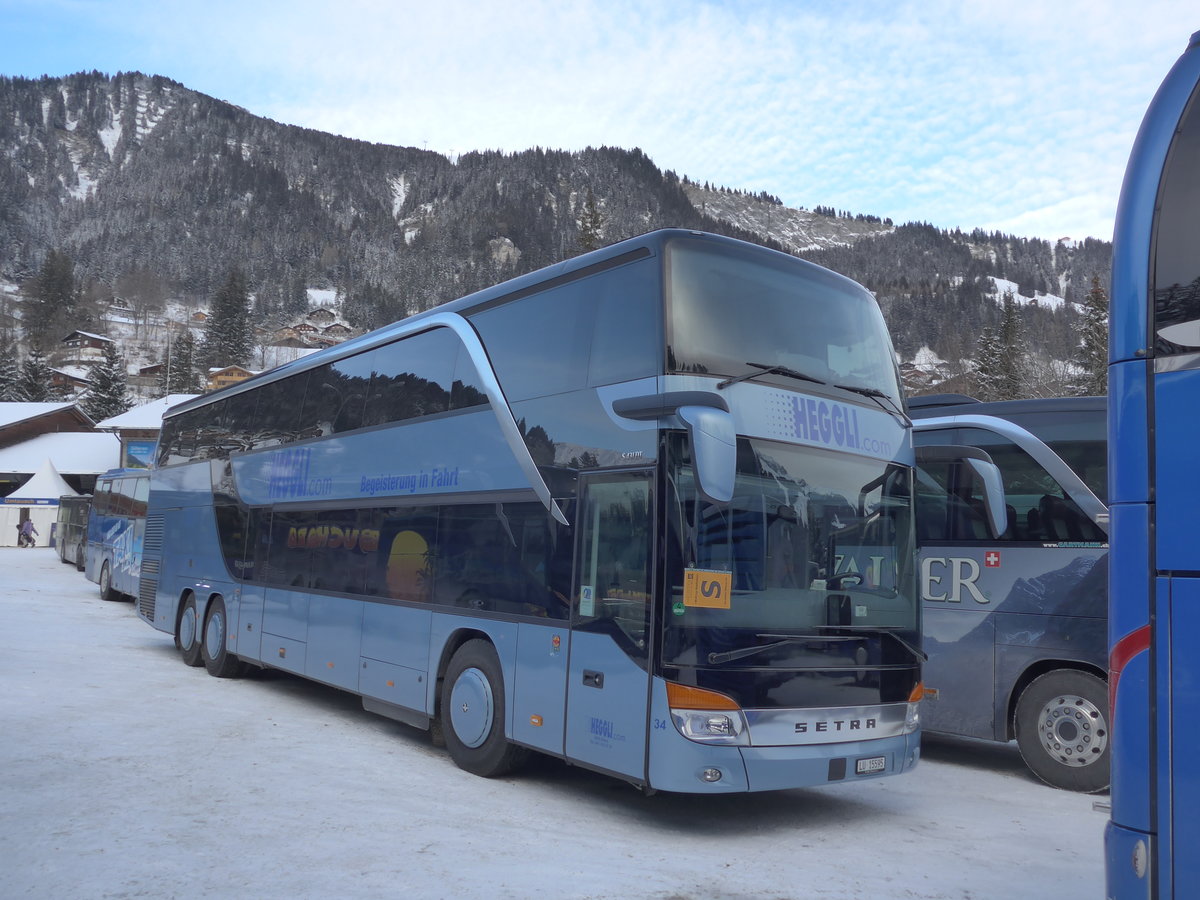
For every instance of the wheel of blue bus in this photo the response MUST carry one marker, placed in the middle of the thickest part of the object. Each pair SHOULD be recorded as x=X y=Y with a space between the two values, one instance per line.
x=213 y=647
x=1063 y=730
x=106 y=588
x=472 y=712
x=187 y=632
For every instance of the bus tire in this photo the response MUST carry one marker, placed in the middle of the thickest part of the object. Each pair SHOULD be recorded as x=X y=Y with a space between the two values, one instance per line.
x=472 y=712
x=79 y=560
x=106 y=588
x=187 y=632
x=1063 y=730
x=214 y=647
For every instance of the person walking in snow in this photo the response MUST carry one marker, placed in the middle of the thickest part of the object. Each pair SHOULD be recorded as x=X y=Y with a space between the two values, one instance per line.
x=26 y=532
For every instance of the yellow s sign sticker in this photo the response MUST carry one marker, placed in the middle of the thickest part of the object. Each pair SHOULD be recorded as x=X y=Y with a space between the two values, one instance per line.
x=707 y=588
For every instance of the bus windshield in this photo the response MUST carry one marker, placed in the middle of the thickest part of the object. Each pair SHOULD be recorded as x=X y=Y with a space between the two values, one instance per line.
x=729 y=312
x=817 y=544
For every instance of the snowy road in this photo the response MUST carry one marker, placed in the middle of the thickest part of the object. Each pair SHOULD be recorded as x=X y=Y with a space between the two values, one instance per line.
x=124 y=773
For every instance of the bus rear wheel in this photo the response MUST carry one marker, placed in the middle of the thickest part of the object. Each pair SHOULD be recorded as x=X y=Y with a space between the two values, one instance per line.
x=106 y=588
x=1063 y=732
x=187 y=632
x=214 y=648
x=472 y=712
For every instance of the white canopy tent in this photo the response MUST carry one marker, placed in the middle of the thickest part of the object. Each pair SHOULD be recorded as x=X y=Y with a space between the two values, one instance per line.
x=36 y=499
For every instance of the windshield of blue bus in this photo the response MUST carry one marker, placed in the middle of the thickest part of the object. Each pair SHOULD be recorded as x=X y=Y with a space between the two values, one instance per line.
x=738 y=311
x=814 y=543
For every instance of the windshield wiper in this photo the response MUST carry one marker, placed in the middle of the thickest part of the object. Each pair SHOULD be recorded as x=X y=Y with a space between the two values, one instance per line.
x=769 y=370
x=867 y=629
x=878 y=396
x=781 y=640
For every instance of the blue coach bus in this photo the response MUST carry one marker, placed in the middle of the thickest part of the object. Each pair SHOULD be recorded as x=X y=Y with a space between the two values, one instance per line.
x=617 y=511
x=1154 y=430
x=115 y=528
x=1016 y=625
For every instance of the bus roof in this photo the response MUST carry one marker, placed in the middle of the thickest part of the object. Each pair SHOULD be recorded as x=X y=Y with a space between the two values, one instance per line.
x=957 y=404
x=641 y=247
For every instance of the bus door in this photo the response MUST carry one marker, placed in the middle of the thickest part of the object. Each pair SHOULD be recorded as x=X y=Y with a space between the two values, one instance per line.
x=608 y=677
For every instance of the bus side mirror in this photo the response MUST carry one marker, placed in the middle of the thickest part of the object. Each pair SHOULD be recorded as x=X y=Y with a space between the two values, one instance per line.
x=714 y=450
x=980 y=464
x=710 y=431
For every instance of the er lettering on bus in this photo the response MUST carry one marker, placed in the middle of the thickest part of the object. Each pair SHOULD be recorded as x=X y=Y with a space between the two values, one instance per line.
x=964 y=572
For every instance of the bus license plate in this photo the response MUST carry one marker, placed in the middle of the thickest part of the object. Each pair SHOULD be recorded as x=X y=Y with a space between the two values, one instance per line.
x=870 y=765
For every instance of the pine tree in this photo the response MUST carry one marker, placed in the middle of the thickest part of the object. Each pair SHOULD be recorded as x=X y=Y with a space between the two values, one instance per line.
x=591 y=223
x=179 y=374
x=229 y=337
x=109 y=394
x=1011 y=374
x=988 y=363
x=51 y=296
x=10 y=375
x=33 y=383
x=1092 y=355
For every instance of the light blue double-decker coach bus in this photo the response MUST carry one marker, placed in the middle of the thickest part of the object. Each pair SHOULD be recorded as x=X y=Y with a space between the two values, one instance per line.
x=649 y=510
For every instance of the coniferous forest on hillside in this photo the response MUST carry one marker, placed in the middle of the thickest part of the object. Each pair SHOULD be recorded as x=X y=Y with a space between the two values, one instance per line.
x=134 y=189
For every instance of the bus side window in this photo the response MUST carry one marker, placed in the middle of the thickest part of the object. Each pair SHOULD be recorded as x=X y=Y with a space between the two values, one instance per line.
x=141 y=493
x=1038 y=507
x=933 y=503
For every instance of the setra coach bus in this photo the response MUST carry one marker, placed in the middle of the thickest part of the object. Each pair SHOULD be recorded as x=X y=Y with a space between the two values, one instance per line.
x=1154 y=432
x=649 y=510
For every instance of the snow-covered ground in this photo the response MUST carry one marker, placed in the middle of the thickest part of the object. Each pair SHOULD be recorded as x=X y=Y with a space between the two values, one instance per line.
x=124 y=773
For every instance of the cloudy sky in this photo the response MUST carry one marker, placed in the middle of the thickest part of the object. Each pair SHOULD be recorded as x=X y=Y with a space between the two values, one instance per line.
x=1014 y=115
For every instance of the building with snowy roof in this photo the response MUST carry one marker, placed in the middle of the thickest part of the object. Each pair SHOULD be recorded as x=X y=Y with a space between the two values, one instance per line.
x=138 y=429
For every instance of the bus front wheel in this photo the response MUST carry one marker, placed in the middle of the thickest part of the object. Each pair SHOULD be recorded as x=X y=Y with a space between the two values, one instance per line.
x=472 y=712
x=1062 y=730
x=187 y=633
x=213 y=647
x=106 y=588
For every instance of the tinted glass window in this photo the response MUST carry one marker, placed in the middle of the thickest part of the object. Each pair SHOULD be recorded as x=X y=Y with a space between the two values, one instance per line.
x=279 y=407
x=141 y=493
x=240 y=419
x=1177 y=247
x=498 y=559
x=615 y=562
x=1038 y=507
x=466 y=391
x=736 y=307
x=351 y=379
x=411 y=377
x=343 y=545
x=539 y=344
x=627 y=342
x=103 y=499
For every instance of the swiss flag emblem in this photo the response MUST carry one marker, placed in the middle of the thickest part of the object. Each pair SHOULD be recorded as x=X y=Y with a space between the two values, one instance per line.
x=991 y=559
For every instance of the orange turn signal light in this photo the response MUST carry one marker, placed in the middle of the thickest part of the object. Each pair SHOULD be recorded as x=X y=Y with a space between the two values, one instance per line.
x=682 y=696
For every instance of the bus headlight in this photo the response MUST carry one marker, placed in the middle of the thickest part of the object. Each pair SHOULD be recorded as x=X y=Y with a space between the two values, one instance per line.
x=912 y=716
x=706 y=716
x=710 y=727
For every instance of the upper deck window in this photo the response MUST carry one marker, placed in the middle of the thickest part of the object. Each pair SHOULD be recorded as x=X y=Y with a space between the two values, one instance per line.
x=733 y=311
x=1177 y=242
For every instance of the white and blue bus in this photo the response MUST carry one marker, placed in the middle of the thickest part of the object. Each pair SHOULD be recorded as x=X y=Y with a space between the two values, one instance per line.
x=1016 y=624
x=1154 y=433
x=115 y=528
x=649 y=510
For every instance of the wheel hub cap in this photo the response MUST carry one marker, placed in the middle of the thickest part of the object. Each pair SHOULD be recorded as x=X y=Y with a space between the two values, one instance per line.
x=1073 y=730
x=471 y=707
